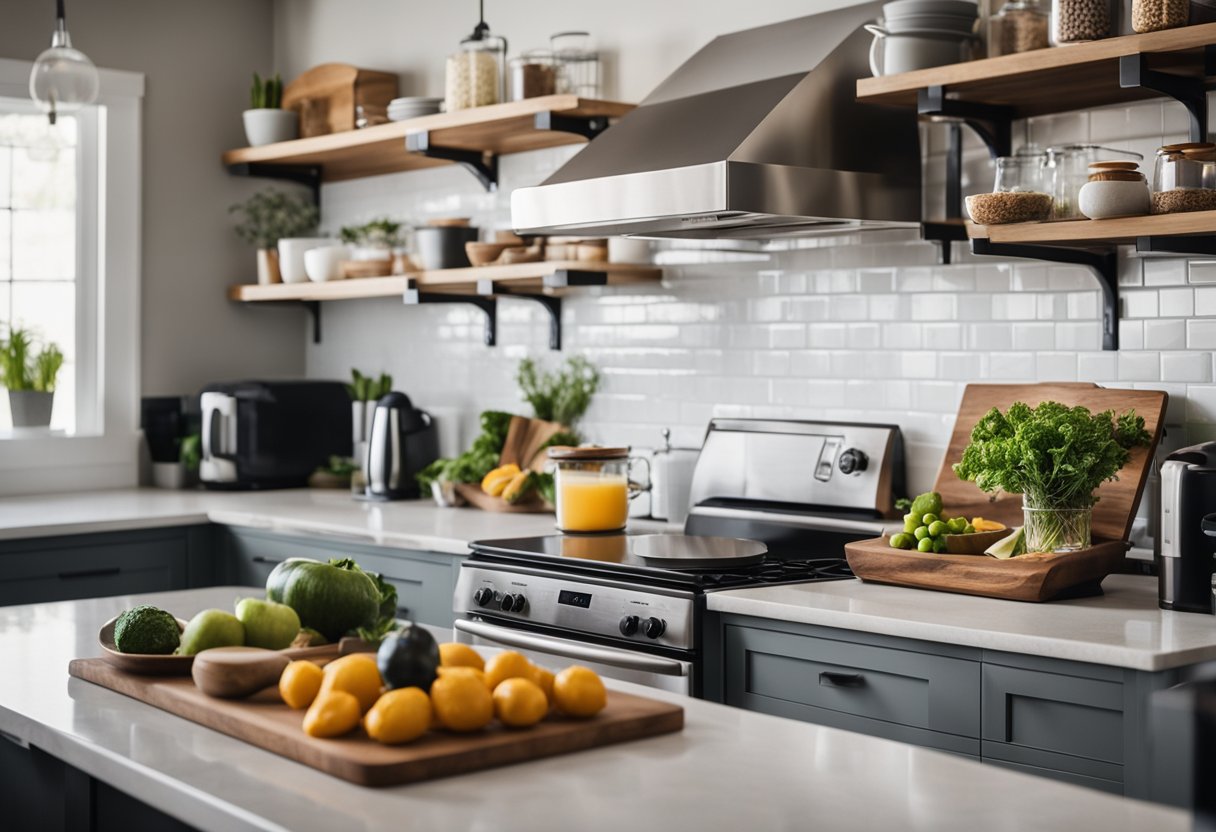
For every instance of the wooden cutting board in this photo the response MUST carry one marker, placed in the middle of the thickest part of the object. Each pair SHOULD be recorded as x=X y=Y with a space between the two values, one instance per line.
x=264 y=721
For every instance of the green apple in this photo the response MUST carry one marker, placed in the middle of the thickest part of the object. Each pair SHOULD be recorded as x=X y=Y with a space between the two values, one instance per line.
x=267 y=623
x=211 y=628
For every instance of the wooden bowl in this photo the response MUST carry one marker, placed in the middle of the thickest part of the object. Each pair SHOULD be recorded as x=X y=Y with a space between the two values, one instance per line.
x=145 y=664
x=483 y=254
x=366 y=268
x=975 y=543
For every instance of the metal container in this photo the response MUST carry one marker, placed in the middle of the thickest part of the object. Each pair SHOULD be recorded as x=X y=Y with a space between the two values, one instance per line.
x=442 y=247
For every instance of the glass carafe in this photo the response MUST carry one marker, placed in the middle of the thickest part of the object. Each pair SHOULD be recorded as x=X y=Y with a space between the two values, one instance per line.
x=593 y=488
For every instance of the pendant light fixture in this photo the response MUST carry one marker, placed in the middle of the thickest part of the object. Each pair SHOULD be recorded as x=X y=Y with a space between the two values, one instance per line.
x=63 y=79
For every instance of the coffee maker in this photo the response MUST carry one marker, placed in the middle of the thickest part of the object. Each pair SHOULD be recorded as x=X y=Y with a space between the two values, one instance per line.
x=1188 y=529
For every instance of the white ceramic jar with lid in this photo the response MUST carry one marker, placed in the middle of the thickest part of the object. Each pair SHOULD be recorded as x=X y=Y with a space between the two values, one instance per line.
x=1114 y=189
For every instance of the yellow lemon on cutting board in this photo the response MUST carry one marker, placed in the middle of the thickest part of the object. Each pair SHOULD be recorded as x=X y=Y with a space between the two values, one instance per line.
x=461 y=702
x=579 y=691
x=332 y=714
x=543 y=677
x=399 y=716
x=455 y=654
x=507 y=665
x=479 y=675
x=300 y=683
x=357 y=675
x=519 y=703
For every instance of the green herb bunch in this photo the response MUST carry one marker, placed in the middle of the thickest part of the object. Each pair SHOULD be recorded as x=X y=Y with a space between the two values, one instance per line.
x=23 y=368
x=562 y=396
x=270 y=215
x=1055 y=455
x=368 y=388
x=477 y=461
x=381 y=233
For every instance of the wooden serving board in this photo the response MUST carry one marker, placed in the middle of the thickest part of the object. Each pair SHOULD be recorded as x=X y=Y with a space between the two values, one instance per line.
x=263 y=720
x=1033 y=577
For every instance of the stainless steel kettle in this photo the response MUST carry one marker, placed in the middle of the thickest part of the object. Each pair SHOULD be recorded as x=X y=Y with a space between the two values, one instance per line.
x=403 y=441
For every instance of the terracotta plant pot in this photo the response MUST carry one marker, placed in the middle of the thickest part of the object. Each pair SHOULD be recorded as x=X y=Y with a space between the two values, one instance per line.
x=30 y=409
x=268 y=266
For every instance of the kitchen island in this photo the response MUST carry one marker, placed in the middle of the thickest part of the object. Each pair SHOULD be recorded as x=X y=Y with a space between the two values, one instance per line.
x=729 y=769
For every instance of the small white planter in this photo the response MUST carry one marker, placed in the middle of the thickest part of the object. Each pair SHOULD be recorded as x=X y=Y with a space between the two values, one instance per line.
x=168 y=475
x=267 y=126
x=291 y=256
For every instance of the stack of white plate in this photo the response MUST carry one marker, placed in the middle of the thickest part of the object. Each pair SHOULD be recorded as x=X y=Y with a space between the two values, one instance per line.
x=930 y=17
x=401 y=109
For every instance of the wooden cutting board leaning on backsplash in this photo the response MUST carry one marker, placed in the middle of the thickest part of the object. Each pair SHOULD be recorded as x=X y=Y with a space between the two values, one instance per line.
x=327 y=96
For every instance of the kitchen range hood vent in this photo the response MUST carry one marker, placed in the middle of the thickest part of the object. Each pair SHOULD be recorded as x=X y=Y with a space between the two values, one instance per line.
x=759 y=134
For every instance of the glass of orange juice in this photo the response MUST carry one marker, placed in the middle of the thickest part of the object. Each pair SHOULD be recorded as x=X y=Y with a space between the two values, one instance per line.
x=593 y=488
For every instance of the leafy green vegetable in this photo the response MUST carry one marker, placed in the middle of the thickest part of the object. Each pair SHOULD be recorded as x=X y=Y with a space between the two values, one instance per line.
x=368 y=388
x=1055 y=455
x=339 y=466
x=387 y=620
x=546 y=484
x=477 y=461
x=928 y=503
x=561 y=396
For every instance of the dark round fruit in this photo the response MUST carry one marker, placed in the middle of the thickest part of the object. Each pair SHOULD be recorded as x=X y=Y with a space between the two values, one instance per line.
x=408 y=658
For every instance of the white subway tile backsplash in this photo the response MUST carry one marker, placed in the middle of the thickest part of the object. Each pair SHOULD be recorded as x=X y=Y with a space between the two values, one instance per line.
x=1131 y=335
x=1201 y=403
x=1165 y=334
x=1164 y=272
x=1056 y=366
x=1201 y=335
x=1177 y=303
x=1140 y=304
x=1139 y=366
x=989 y=336
x=1205 y=301
x=1186 y=366
x=1098 y=366
x=1034 y=336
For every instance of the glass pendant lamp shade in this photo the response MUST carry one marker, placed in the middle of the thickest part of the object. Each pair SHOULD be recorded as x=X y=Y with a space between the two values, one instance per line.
x=63 y=78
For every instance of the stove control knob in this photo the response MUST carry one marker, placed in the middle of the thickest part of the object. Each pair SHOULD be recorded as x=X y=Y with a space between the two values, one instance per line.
x=654 y=627
x=629 y=625
x=508 y=601
x=518 y=603
x=853 y=461
x=483 y=596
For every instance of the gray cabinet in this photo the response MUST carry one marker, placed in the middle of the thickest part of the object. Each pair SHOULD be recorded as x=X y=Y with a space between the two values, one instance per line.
x=96 y=565
x=425 y=581
x=1081 y=723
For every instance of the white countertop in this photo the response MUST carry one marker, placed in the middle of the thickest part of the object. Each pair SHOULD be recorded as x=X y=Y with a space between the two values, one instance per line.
x=407 y=524
x=1124 y=627
x=728 y=770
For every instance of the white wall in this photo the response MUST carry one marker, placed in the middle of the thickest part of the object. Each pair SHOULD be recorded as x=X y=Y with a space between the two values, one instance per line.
x=197 y=57
x=867 y=327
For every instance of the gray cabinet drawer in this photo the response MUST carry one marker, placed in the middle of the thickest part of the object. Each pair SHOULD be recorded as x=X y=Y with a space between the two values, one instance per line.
x=839 y=682
x=1054 y=721
x=424 y=590
x=91 y=566
x=1112 y=786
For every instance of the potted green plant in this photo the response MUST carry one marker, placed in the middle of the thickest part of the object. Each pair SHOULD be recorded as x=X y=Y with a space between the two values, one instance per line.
x=364 y=392
x=269 y=216
x=29 y=377
x=265 y=121
x=1055 y=456
x=374 y=240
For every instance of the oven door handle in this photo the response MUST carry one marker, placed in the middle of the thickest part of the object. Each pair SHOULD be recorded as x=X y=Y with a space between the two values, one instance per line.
x=573 y=650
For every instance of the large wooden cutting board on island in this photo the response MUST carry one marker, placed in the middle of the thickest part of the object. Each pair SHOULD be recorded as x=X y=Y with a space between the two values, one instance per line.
x=1038 y=576
x=263 y=720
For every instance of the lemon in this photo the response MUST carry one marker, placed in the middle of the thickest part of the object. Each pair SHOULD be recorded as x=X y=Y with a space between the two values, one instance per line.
x=579 y=691
x=357 y=675
x=300 y=683
x=454 y=654
x=507 y=665
x=519 y=703
x=332 y=713
x=399 y=716
x=479 y=675
x=543 y=677
x=461 y=702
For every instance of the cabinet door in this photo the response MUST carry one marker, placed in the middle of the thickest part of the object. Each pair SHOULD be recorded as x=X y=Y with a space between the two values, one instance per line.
x=91 y=566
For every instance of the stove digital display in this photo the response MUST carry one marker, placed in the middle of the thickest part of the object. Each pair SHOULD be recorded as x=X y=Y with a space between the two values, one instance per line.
x=574 y=599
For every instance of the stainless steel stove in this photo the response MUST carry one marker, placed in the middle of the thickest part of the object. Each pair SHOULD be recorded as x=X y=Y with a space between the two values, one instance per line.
x=775 y=501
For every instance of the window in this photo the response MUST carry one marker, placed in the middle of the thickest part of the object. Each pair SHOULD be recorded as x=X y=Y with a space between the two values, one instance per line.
x=69 y=271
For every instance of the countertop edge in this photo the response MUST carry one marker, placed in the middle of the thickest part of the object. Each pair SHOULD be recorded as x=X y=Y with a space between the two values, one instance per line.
x=121 y=524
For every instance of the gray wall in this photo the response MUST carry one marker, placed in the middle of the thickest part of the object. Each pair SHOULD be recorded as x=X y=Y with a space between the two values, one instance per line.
x=197 y=57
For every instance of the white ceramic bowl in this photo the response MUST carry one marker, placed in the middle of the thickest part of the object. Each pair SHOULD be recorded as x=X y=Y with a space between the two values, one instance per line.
x=1106 y=200
x=291 y=256
x=325 y=263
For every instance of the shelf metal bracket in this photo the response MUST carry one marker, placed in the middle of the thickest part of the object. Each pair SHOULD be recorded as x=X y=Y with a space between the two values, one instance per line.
x=569 y=278
x=1191 y=92
x=586 y=126
x=943 y=233
x=551 y=303
x=313 y=308
x=414 y=296
x=484 y=166
x=1104 y=263
x=991 y=122
x=307 y=175
x=1204 y=245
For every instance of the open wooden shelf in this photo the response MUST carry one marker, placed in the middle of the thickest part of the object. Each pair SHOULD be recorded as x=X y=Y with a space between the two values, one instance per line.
x=1050 y=80
x=495 y=129
x=1114 y=232
x=547 y=277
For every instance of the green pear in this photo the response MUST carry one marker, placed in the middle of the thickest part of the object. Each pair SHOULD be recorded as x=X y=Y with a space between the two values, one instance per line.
x=211 y=628
x=267 y=623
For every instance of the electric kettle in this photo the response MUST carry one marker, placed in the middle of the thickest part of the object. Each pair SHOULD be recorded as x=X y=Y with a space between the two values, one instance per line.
x=403 y=441
x=1188 y=547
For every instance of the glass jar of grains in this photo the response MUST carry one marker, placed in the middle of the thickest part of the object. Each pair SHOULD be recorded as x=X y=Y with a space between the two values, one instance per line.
x=1019 y=194
x=1154 y=15
x=1077 y=21
x=1019 y=26
x=533 y=74
x=1184 y=178
x=476 y=73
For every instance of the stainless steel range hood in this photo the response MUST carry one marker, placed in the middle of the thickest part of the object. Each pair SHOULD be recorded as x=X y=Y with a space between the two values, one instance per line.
x=758 y=134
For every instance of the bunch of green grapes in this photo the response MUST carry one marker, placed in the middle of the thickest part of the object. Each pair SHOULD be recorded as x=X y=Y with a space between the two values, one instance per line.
x=927 y=532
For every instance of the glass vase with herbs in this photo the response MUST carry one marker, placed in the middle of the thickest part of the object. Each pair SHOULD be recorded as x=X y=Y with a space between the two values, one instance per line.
x=1055 y=456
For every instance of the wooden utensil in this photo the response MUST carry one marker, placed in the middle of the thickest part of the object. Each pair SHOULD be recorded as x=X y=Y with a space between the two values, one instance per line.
x=235 y=672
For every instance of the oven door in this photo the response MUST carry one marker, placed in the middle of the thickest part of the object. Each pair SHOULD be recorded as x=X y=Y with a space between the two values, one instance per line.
x=556 y=652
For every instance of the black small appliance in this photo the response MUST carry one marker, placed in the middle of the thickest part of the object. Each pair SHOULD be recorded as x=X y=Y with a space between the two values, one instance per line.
x=1188 y=529
x=403 y=441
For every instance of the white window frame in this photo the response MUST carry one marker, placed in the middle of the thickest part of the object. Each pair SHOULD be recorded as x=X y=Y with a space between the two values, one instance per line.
x=107 y=458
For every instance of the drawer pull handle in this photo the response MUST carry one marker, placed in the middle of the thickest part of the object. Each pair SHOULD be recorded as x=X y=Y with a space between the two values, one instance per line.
x=413 y=581
x=90 y=573
x=263 y=559
x=842 y=680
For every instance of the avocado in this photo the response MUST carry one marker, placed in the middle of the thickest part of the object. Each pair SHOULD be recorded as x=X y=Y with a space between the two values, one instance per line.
x=408 y=658
x=146 y=629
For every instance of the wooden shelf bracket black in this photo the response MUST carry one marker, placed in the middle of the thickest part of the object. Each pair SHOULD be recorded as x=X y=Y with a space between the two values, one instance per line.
x=568 y=278
x=1104 y=263
x=307 y=175
x=415 y=296
x=484 y=166
x=991 y=122
x=586 y=126
x=1203 y=245
x=551 y=304
x=1191 y=92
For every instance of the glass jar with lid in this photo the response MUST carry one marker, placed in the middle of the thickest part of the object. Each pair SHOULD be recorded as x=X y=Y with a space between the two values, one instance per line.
x=1018 y=26
x=476 y=73
x=532 y=75
x=1068 y=170
x=1155 y=15
x=593 y=488
x=1184 y=178
x=1078 y=21
x=578 y=64
x=1019 y=194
